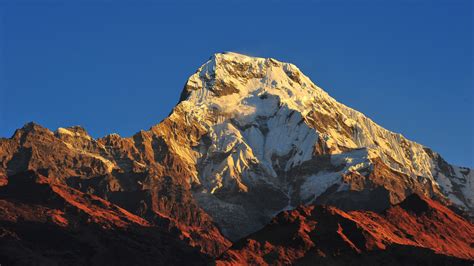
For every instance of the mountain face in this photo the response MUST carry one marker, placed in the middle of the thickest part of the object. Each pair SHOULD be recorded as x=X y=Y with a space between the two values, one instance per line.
x=404 y=234
x=43 y=222
x=138 y=174
x=273 y=140
x=249 y=138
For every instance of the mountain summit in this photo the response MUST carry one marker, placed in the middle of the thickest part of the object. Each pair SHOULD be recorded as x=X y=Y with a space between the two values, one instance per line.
x=250 y=137
x=274 y=140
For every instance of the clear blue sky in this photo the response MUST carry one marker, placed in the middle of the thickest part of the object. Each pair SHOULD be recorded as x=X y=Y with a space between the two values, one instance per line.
x=115 y=66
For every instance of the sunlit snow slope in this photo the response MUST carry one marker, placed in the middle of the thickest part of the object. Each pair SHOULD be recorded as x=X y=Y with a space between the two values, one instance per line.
x=273 y=140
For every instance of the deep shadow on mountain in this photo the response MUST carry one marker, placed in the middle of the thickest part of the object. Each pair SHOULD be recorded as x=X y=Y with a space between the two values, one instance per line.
x=42 y=223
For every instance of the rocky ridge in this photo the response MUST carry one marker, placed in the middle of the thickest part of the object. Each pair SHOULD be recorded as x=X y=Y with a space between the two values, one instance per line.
x=417 y=231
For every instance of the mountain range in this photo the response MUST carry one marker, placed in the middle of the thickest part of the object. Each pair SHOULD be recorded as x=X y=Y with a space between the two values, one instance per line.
x=255 y=165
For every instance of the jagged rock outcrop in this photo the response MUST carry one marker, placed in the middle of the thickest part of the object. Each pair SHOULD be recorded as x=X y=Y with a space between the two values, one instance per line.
x=135 y=173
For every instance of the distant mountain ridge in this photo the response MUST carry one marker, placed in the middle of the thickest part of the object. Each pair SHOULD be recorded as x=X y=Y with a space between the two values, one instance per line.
x=250 y=138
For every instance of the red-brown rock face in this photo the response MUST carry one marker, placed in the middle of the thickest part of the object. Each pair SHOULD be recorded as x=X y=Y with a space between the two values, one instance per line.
x=139 y=174
x=416 y=230
x=47 y=223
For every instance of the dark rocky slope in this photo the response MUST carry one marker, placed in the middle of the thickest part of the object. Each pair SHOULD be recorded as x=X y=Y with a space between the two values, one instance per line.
x=46 y=223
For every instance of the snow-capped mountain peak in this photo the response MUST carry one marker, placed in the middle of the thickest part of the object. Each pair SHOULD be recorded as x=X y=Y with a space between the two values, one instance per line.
x=268 y=125
x=228 y=79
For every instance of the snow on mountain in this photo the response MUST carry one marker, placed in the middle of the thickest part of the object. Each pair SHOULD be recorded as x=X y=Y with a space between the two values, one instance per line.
x=269 y=129
x=249 y=138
